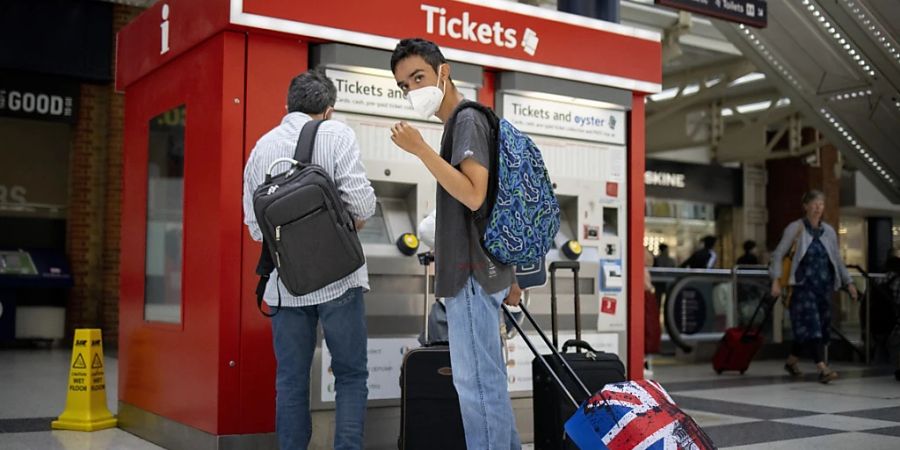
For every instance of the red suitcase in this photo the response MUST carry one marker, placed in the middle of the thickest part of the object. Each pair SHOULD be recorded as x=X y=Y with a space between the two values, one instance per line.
x=739 y=345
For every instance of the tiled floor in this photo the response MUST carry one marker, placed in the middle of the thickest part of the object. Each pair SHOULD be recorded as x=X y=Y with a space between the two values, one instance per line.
x=767 y=410
x=762 y=410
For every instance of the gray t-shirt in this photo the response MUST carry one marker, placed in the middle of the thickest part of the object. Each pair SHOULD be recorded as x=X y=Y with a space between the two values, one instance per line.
x=458 y=252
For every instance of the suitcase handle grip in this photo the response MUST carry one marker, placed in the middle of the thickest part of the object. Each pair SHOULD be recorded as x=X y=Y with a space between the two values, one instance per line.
x=574 y=266
x=577 y=343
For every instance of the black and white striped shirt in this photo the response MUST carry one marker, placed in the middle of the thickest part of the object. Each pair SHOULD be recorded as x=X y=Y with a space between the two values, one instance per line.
x=337 y=151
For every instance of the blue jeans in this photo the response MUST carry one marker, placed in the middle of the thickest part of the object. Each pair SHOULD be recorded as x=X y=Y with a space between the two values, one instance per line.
x=294 y=335
x=479 y=371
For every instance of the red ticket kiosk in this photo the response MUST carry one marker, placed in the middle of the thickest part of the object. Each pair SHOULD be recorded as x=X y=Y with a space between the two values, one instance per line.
x=203 y=80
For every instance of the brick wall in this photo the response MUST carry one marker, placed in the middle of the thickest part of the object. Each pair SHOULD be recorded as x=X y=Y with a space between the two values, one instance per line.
x=86 y=206
x=790 y=178
x=95 y=203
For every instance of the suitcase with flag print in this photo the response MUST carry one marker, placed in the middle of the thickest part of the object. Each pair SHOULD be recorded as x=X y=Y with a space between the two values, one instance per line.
x=621 y=416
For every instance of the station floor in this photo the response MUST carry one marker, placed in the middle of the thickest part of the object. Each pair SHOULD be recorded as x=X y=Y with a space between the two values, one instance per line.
x=763 y=409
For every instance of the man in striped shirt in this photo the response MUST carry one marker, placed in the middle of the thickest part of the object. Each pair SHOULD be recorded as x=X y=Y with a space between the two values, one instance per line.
x=339 y=306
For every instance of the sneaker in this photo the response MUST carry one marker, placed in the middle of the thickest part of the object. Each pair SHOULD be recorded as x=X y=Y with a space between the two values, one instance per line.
x=827 y=376
x=793 y=370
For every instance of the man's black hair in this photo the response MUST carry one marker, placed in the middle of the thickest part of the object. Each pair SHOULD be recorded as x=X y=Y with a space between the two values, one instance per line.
x=663 y=248
x=427 y=50
x=311 y=92
x=749 y=245
x=709 y=241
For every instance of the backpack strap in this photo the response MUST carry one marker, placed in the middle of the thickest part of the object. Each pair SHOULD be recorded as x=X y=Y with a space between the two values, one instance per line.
x=264 y=267
x=307 y=141
x=481 y=215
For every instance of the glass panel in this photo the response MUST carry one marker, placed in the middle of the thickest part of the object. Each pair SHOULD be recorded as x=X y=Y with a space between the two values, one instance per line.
x=165 y=219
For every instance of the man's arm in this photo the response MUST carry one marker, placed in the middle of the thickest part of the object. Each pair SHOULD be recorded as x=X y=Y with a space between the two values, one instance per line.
x=351 y=181
x=252 y=179
x=467 y=185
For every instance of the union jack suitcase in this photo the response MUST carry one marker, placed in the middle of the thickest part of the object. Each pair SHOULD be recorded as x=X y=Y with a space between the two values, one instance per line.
x=656 y=423
x=635 y=414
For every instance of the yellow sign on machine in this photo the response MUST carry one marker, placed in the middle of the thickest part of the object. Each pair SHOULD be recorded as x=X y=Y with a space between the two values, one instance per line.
x=86 y=408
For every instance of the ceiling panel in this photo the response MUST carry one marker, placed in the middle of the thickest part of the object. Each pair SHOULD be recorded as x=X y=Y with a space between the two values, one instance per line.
x=831 y=59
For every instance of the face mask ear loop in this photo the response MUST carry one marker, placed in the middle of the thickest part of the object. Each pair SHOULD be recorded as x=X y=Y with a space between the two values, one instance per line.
x=444 y=88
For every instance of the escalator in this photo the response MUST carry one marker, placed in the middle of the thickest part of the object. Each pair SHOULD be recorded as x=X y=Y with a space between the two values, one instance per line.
x=838 y=61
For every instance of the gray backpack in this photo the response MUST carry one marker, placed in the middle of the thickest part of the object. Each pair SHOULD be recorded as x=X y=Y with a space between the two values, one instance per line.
x=308 y=234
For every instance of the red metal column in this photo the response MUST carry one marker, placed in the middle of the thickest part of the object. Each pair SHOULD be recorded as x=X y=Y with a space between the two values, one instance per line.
x=271 y=64
x=635 y=360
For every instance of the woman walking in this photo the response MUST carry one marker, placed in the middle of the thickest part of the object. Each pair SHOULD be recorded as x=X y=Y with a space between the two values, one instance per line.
x=816 y=271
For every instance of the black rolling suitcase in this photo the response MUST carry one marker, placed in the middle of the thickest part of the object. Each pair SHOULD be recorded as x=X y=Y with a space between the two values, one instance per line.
x=429 y=406
x=595 y=368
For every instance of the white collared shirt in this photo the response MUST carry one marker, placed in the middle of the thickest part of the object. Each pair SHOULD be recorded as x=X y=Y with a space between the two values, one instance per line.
x=337 y=151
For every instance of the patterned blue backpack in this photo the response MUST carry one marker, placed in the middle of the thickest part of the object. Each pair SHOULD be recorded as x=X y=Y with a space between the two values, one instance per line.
x=520 y=216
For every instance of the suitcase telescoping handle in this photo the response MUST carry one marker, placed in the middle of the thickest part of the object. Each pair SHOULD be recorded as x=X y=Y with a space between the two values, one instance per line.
x=574 y=266
x=765 y=304
x=425 y=259
x=537 y=354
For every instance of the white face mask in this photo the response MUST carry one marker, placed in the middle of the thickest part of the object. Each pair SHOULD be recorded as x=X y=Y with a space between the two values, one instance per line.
x=426 y=101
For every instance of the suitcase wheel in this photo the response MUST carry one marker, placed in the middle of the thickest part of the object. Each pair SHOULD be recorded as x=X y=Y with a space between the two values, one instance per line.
x=719 y=372
x=742 y=372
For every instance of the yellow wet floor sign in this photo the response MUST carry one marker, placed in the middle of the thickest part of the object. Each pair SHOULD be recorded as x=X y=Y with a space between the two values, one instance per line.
x=86 y=408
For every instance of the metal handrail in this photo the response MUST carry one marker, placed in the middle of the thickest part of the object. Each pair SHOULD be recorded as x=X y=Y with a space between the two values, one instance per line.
x=867 y=329
x=693 y=275
x=734 y=280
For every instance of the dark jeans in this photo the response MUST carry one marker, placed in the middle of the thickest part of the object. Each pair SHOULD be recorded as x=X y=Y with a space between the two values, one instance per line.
x=294 y=334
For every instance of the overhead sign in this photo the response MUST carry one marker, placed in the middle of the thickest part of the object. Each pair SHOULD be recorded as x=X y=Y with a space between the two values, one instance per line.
x=564 y=119
x=666 y=179
x=750 y=12
x=39 y=98
x=378 y=95
x=695 y=182
x=492 y=33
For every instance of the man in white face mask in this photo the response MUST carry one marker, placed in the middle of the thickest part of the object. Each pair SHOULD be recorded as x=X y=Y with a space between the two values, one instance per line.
x=472 y=285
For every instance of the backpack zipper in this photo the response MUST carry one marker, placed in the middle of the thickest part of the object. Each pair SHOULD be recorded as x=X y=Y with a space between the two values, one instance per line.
x=277 y=239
